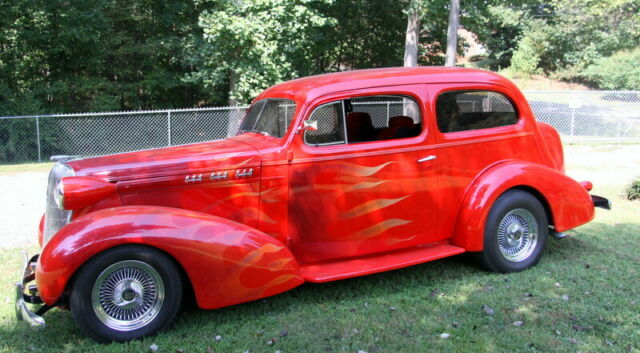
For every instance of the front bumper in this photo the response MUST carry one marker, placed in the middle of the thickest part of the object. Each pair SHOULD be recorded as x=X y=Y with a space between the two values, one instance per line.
x=23 y=313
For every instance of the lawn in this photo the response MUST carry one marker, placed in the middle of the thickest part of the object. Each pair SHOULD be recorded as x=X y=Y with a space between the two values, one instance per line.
x=583 y=296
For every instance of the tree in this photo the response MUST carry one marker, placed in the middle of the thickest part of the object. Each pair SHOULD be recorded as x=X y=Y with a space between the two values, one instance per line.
x=452 y=33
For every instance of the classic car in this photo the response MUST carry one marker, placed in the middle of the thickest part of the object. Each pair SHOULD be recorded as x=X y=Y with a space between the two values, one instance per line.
x=329 y=177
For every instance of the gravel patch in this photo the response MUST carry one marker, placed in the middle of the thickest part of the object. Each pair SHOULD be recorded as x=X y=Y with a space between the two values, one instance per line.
x=22 y=204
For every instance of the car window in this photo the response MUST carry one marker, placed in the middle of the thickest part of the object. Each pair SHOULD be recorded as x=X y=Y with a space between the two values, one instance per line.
x=269 y=116
x=365 y=119
x=473 y=110
x=330 y=120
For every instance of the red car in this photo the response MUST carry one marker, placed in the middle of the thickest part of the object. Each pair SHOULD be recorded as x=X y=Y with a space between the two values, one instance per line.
x=330 y=177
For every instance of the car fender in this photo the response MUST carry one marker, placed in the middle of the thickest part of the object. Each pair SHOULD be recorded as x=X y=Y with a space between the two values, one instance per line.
x=226 y=262
x=569 y=204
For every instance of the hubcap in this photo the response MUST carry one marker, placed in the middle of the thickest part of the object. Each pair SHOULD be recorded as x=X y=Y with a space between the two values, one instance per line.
x=127 y=295
x=517 y=235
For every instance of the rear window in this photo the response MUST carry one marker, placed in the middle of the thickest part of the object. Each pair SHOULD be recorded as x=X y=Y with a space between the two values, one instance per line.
x=474 y=110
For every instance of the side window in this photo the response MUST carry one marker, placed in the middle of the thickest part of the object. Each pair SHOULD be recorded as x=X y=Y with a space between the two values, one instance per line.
x=365 y=119
x=377 y=118
x=330 y=119
x=473 y=110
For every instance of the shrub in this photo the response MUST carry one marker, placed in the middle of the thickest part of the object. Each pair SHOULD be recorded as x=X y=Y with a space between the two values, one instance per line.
x=617 y=72
x=633 y=190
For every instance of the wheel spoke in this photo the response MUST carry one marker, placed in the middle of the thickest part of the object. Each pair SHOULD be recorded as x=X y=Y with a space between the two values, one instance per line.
x=128 y=295
x=517 y=235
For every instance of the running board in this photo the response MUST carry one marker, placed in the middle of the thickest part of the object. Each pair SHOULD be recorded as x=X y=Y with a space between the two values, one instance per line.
x=332 y=271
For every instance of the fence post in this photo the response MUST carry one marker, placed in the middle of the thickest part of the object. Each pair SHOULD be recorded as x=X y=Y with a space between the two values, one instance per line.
x=38 y=138
x=169 y=127
x=388 y=117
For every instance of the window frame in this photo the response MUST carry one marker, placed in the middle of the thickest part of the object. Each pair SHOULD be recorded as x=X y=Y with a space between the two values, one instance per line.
x=476 y=88
x=400 y=141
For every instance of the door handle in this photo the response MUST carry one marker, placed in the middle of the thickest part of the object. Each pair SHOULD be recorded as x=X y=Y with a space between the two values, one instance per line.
x=427 y=158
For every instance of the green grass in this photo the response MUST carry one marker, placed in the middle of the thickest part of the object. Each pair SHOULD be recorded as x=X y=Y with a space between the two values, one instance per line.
x=25 y=167
x=598 y=268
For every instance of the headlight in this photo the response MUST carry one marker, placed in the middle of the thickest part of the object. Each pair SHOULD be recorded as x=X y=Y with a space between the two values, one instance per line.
x=58 y=194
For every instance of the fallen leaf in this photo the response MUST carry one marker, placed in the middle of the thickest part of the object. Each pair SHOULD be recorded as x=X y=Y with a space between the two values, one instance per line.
x=488 y=310
x=445 y=335
x=579 y=328
x=558 y=332
x=557 y=284
x=518 y=323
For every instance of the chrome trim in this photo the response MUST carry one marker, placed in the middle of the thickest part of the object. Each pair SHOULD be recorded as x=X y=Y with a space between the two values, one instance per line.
x=194 y=178
x=63 y=158
x=244 y=173
x=219 y=176
x=427 y=158
x=55 y=217
x=22 y=311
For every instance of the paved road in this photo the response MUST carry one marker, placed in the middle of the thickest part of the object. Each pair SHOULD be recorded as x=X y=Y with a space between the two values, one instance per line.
x=22 y=202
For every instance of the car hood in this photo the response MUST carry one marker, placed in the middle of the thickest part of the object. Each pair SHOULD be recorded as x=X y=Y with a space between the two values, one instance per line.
x=187 y=159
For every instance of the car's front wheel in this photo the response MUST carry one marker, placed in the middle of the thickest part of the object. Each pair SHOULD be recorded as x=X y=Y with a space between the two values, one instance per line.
x=126 y=293
x=515 y=233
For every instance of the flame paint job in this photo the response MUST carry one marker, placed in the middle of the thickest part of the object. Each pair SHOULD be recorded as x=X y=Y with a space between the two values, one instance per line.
x=226 y=262
x=82 y=191
x=317 y=213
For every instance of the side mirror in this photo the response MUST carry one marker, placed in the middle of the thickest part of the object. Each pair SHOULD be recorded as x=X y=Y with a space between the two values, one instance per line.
x=310 y=125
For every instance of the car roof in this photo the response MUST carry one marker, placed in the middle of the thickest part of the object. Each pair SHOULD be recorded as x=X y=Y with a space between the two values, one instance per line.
x=311 y=87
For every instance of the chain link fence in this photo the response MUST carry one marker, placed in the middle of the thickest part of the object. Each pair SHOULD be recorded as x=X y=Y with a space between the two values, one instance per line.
x=598 y=116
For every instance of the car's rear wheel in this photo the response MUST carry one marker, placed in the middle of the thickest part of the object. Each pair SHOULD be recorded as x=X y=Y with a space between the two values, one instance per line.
x=126 y=293
x=515 y=233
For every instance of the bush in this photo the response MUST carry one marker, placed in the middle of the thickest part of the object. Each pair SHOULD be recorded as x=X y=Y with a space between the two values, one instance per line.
x=526 y=58
x=617 y=72
x=633 y=190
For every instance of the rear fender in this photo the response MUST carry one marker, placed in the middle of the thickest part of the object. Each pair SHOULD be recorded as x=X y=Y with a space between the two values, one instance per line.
x=568 y=202
x=226 y=262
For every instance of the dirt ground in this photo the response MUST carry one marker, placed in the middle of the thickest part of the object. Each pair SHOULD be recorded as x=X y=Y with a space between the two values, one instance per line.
x=23 y=193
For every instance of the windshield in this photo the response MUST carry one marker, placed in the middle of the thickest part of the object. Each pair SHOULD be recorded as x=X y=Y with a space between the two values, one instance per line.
x=269 y=117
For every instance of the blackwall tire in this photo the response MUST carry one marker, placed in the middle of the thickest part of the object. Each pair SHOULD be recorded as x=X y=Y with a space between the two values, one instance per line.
x=515 y=233
x=126 y=293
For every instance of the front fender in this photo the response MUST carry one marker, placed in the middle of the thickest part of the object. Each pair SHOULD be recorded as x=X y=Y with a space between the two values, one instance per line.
x=569 y=202
x=226 y=262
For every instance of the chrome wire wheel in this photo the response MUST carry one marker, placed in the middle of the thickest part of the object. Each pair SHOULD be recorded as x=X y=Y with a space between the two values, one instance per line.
x=127 y=295
x=517 y=235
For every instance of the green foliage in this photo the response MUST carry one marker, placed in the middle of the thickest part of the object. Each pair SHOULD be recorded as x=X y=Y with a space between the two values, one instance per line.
x=526 y=58
x=617 y=72
x=252 y=44
x=632 y=191
x=573 y=34
x=94 y=55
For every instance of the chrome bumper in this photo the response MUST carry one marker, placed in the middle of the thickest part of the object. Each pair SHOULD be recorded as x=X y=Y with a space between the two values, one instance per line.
x=23 y=313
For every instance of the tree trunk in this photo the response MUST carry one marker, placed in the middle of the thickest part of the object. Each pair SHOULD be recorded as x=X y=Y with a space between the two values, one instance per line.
x=411 y=39
x=452 y=33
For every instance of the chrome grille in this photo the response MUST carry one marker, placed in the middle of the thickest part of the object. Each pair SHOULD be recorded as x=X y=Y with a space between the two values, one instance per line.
x=55 y=218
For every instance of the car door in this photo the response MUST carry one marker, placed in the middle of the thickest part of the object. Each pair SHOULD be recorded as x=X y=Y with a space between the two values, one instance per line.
x=364 y=182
